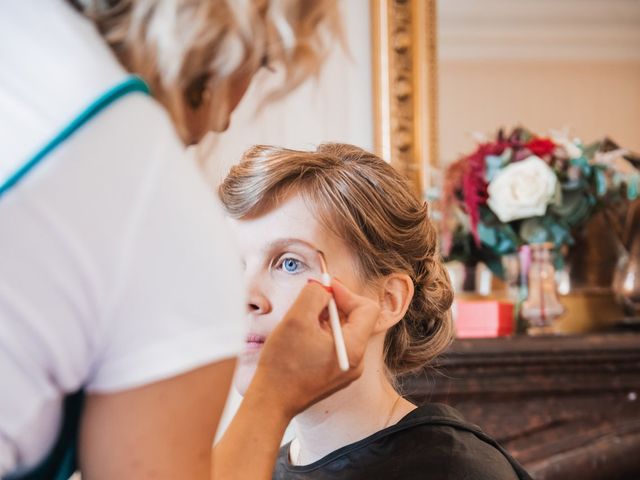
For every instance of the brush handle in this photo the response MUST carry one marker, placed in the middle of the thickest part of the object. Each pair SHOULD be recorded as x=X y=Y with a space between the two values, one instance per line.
x=334 y=322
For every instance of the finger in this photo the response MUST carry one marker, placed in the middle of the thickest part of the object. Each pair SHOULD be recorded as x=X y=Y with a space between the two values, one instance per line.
x=361 y=322
x=312 y=299
x=362 y=314
x=346 y=300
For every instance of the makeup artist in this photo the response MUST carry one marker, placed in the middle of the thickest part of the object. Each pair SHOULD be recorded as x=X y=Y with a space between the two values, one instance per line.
x=121 y=301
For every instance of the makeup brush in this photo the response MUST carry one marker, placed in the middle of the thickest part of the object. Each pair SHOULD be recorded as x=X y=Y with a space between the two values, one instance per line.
x=334 y=318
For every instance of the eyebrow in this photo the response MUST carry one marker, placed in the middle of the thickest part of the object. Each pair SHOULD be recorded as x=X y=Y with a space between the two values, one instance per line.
x=287 y=242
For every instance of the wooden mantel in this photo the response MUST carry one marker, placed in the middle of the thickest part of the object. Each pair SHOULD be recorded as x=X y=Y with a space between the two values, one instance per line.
x=565 y=407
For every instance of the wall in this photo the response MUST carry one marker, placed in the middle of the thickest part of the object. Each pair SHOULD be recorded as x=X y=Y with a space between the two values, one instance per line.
x=544 y=64
x=337 y=106
x=591 y=98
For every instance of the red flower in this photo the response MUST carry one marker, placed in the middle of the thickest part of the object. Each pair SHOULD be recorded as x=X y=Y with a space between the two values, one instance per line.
x=541 y=146
x=466 y=186
x=474 y=185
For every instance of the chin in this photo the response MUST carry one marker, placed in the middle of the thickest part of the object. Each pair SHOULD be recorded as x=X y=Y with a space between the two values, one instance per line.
x=197 y=125
x=245 y=371
x=222 y=126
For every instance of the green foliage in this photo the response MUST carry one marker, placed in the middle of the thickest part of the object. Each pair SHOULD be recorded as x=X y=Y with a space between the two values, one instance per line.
x=586 y=183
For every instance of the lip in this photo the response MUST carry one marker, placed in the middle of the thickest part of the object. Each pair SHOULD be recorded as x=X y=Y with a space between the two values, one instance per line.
x=254 y=341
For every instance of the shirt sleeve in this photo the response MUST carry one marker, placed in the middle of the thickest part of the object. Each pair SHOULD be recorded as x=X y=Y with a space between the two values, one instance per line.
x=116 y=271
x=174 y=302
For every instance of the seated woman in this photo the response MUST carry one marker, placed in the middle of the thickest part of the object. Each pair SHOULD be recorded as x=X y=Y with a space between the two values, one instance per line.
x=379 y=241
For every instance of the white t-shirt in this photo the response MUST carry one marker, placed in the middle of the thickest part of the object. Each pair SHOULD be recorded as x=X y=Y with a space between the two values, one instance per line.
x=115 y=266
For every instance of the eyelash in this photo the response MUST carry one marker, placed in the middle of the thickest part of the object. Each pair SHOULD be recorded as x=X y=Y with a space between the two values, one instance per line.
x=279 y=264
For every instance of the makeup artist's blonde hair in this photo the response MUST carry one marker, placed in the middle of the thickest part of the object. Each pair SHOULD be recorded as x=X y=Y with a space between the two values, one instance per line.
x=181 y=46
x=364 y=201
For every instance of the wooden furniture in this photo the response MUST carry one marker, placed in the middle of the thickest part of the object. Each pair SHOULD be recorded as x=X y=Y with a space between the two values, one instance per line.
x=565 y=407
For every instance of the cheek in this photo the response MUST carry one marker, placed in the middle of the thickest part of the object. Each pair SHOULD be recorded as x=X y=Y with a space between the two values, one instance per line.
x=284 y=294
x=348 y=276
x=206 y=118
x=237 y=91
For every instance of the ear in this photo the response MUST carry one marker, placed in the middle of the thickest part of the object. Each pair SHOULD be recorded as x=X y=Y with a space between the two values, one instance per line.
x=395 y=294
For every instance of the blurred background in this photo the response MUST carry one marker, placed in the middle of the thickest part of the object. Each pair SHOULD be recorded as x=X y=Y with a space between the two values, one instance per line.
x=547 y=358
x=546 y=64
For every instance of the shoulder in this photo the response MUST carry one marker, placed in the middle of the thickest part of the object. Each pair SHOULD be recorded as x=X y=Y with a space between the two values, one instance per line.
x=433 y=440
x=443 y=443
x=120 y=224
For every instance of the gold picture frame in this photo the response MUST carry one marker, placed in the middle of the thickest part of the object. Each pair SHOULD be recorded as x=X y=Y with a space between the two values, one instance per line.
x=405 y=86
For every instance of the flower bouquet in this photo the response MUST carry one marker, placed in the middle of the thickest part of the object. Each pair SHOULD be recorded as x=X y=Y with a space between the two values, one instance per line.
x=521 y=188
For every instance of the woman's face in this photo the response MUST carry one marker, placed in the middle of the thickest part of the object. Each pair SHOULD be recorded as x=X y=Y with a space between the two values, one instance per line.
x=217 y=105
x=279 y=255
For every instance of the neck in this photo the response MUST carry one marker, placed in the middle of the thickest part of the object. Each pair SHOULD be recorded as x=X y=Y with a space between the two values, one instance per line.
x=366 y=406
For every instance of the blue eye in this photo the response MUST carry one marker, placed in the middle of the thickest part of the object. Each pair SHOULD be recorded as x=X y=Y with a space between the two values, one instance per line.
x=290 y=265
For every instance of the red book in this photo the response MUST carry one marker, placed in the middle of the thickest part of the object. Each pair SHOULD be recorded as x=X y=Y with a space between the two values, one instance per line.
x=483 y=318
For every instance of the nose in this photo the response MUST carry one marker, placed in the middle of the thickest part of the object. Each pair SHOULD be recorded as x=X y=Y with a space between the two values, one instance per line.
x=258 y=303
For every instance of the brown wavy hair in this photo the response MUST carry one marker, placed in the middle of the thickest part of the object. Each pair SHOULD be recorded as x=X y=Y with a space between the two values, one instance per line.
x=363 y=200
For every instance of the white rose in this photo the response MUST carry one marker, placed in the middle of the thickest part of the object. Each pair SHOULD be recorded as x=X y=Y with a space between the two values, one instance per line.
x=522 y=189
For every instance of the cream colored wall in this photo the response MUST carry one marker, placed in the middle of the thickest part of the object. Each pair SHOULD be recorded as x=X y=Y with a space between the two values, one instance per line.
x=593 y=98
x=545 y=64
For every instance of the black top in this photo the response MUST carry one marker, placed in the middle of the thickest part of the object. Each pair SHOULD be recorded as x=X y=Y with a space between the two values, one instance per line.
x=432 y=442
x=61 y=461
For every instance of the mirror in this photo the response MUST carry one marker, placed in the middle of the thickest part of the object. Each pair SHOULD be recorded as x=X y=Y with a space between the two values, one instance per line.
x=446 y=69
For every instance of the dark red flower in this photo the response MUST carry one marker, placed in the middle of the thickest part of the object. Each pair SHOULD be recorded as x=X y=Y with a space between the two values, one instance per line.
x=541 y=146
x=474 y=184
x=466 y=186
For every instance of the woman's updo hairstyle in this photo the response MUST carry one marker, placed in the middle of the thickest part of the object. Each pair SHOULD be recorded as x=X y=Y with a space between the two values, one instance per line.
x=365 y=202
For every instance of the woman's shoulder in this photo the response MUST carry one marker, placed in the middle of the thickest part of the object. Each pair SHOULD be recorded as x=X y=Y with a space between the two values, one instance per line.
x=437 y=438
x=433 y=439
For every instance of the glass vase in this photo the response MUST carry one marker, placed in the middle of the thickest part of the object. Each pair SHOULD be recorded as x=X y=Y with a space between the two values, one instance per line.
x=626 y=282
x=542 y=306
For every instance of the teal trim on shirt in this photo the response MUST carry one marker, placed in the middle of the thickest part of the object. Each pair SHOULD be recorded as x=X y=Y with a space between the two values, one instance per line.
x=61 y=461
x=130 y=85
